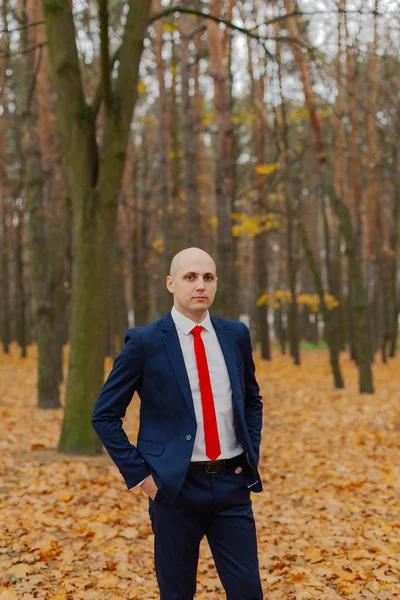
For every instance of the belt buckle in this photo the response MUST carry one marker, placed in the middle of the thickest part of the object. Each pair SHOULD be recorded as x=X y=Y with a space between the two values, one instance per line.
x=215 y=467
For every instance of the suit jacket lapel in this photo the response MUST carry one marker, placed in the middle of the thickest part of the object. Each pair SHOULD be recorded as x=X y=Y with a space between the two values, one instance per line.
x=173 y=348
x=174 y=351
x=227 y=342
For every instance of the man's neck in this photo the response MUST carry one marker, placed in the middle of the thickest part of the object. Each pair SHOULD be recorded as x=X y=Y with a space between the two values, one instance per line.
x=196 y=317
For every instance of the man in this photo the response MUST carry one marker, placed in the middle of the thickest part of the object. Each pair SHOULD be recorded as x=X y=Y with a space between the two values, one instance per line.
x=199 y=435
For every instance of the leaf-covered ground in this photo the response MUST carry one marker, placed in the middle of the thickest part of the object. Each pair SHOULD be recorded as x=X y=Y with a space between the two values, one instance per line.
x=328 y=519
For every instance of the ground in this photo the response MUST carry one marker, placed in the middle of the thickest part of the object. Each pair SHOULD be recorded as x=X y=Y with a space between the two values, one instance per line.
x=328 y=520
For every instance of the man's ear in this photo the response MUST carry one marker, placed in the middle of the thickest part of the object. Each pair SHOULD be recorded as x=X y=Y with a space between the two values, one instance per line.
x=169 y=284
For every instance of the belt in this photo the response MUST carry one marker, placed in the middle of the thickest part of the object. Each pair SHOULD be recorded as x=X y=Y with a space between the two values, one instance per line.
x=217 y=466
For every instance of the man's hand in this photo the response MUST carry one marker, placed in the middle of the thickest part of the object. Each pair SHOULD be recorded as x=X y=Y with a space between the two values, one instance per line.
x=149 y=487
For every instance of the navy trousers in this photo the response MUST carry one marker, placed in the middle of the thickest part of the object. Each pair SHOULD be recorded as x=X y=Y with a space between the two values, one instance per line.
x=217 y=506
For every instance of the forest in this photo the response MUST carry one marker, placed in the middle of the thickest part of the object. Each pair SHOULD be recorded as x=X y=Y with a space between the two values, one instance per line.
x=264 y=132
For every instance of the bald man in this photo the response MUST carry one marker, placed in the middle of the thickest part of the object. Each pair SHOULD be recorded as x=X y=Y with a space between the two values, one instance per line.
x=197 y=449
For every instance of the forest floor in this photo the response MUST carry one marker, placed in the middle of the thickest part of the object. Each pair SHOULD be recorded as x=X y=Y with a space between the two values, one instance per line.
x=328 y=520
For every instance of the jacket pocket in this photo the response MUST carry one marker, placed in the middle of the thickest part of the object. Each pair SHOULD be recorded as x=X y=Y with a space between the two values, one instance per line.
x=149 y=447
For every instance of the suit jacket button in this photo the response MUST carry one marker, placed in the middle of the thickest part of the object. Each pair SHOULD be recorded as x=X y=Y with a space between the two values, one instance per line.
x=188 y=437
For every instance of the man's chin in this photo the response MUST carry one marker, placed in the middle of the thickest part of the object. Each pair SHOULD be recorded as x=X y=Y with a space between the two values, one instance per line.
x=200 y=305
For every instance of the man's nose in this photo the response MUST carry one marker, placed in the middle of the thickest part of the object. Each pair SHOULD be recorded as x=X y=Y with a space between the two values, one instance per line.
x=200 y=285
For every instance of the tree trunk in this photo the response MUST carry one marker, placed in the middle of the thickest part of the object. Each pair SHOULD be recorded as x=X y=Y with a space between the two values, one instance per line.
x=359 y=299
x=20 y=286
x=374 y=194
x=166 y=204
x=41 y=251
x=329 y=324
x=141 y=239
x=259 y=134
x=291 y=266
x=226 y=301
x=188 y=119
x=95 y=174
x=291 y=275
x=351 y=62
x=4 y=197
x=394 y=243
x=118 y=321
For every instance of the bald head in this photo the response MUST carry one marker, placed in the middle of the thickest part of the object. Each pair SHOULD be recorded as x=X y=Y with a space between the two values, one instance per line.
x=193 y=282
x=190 y=255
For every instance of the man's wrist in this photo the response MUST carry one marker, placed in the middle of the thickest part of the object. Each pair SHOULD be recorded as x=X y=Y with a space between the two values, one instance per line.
x=143 y=480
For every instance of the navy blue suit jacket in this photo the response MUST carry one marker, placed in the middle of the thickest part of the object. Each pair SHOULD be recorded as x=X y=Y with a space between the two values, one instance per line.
x=152 y=364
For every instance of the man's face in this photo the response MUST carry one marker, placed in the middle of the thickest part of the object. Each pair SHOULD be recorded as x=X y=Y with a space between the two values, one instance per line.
x=194 y=285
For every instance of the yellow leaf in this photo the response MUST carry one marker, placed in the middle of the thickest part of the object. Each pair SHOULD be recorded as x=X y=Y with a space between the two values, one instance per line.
x=65 y=498
x=313 y=556
x=267 y=169
x=213 y=221
x=158 y=245
x=168 y=27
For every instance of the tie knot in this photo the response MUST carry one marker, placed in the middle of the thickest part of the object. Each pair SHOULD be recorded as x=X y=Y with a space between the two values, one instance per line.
x=196 y=331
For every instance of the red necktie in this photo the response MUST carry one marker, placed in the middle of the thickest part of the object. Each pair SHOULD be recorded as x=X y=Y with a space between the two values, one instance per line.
x=213 y=448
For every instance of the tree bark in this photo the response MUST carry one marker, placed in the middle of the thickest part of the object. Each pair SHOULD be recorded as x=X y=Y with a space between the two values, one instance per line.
x=351 y=63
x=166 y=204
x=394 y=244
x=22 y=336
x=141 y=238
x=291 y=266
x=95 y=171
x=4 y=190
x=189 y=143
x=329 y=323
x=226 y=301
x=359 y=298
x=260 y=136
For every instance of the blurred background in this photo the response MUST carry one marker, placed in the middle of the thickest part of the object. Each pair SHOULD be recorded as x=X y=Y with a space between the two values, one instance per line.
x=265 y=133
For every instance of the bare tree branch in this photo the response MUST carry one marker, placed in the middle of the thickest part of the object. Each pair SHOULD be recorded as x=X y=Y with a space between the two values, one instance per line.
x=21 y=52
x=22 y=28
x=172 y=9
x=248 y=32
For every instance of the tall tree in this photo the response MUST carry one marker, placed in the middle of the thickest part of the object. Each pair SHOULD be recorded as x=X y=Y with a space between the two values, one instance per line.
x=259 y=134
x=4 y=187
x=224 y=184
x=166 y=205
x=95 y=170
x=189 y=132
x=46 y=203
x=290 y=214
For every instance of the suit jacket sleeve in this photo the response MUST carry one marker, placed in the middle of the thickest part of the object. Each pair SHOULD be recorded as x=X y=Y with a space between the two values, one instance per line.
x=253 y=400
x=115 y=397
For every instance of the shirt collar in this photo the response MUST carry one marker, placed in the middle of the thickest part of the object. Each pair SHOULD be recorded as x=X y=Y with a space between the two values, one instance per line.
x=186 y=325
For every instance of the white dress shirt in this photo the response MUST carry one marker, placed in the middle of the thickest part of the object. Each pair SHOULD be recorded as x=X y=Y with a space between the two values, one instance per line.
x=220 y=384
